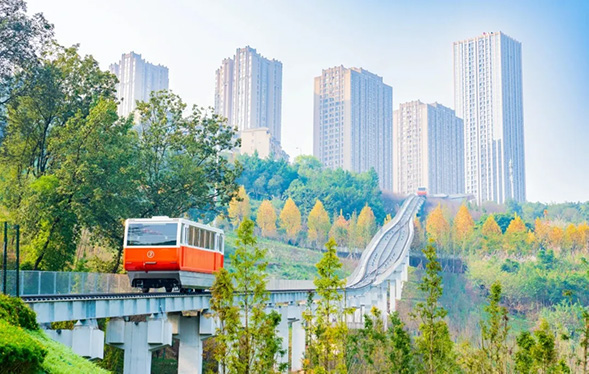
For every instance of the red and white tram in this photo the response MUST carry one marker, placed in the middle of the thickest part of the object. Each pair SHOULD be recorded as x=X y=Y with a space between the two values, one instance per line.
x=172 y=252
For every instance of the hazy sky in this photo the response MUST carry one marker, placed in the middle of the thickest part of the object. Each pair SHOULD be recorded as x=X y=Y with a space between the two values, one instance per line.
x=408 y=43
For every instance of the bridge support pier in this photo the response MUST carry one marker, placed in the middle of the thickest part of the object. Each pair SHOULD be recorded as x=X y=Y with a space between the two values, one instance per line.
x=298 y=338
x=283 y=332
x=139 y=340
x=85 y=339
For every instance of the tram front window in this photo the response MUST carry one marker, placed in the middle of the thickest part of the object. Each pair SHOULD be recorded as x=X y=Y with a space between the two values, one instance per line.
x=152 y=234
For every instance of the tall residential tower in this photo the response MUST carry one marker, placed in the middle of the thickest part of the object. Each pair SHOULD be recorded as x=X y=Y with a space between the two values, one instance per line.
x=248 y=92
x=353 y=124
x=488 y=96
x=137 y=79
x=428 y=149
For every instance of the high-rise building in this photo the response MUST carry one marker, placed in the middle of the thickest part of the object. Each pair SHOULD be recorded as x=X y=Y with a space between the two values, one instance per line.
x=260 y=141
x=488 y=96
x=353 y=122
x=137 y=79
x=428 y=146
x=248 y=91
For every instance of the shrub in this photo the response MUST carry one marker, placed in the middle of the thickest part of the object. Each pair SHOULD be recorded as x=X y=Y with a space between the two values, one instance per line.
x=19 y=353
x=16 y=312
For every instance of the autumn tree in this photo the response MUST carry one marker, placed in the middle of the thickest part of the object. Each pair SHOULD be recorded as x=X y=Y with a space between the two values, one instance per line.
x=366 y=225
x=290 y=219
x=266 y=219
x=328 y=330
x=437 y=227
x=339 y=231
x=463 y=227
x=515 y=235
x=572 y=238
x=555 y=237
x=318 y=224
x=492 y=234
x=542 y=231
x=433 y=345
x=248 y=342
x=354 y=239
x=239 y=207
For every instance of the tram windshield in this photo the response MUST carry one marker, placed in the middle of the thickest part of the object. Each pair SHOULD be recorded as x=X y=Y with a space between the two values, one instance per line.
x=152 y=234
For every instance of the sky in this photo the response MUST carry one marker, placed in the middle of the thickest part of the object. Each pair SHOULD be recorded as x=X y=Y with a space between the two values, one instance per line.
x=408 y=43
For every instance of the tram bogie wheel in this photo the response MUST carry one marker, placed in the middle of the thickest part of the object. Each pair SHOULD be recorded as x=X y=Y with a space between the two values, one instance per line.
x=145 y=289
x=169 y=289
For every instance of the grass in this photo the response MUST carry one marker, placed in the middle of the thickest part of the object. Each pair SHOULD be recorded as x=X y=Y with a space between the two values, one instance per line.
x=61 y=359
x=287 y=261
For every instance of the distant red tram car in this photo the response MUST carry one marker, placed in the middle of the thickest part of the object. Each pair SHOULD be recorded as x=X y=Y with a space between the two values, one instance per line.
x=421 y=191
x=172 y=253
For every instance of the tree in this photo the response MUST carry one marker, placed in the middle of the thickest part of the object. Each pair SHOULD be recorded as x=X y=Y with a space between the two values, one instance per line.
x=318 y=224
x=572 y=238
x=366 y=225
x=515 y=235
x=239 y=207
x=463 y=226
x=325 y=353
x=434 y=345
x=494 y=332
x=542 y=231
x=437 y=227
x=247 y=335
x=537 y=353
x=339 y=231
x=24 y=38
x=491 y=234
x=266 y=219
x=585 y=341
x=555 y=237
x=290 y=219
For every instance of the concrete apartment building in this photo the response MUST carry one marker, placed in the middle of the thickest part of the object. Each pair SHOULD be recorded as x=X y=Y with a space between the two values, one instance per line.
x=137 y=79
x=488 y=96
x=261 y=141
x=353 y=124
x=428 y=145
x=248 y=92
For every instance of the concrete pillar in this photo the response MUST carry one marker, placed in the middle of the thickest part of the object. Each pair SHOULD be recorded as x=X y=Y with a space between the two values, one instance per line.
x=283 y=332
x=405 y=271
x=190 y=348
x=298 y=345
x=139 y=340
x=398 y=287
x=392 y=296
x=85 y=339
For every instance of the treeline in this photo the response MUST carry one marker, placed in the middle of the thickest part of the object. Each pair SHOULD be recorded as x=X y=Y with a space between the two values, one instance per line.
x=70 y=166
x=286 y=221
x=379 y=347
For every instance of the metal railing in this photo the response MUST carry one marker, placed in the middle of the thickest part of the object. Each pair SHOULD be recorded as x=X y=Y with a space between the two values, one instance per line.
x=33 y=282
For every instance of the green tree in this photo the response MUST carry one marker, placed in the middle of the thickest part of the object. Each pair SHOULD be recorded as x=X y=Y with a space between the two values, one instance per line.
x=247 y=335
x=318 y=224
x=537 y=353
x=494 y=332
x=328 y=330
x=434 y=345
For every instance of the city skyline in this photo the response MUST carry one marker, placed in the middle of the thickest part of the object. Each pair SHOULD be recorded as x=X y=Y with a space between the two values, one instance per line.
x=553 y=78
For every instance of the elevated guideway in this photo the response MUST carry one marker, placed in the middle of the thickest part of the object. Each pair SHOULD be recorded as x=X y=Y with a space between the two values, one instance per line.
x=54 y=296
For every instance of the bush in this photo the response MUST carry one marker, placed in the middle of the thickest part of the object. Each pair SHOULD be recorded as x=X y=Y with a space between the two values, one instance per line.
x=14 y=311
x=19 y=353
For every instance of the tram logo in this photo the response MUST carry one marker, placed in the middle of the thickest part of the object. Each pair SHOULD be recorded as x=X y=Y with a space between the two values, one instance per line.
x=150 y=254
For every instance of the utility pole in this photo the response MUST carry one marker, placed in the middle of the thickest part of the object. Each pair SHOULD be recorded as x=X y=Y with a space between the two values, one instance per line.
x=5 y=263
x=17 y=227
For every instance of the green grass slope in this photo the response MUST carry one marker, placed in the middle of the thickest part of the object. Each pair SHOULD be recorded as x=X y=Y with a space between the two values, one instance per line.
x=287 y=261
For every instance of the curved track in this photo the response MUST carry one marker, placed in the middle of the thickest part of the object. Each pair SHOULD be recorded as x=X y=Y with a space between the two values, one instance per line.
x=388 y=247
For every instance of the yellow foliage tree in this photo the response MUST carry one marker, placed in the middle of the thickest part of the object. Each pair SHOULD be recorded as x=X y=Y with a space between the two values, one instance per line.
x=239 y=207
x=387 y=219
x=555 y=237
x=339 y=231
x=290 y=219
x=266 y=219
x=491 y=234
x=542 y=231
x=572 y=238
x=366 y=226
x=583 y=229
x=463 y=226
x=318 y=224
x=437 y=227
x=516 y=234
x=354 y=240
